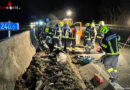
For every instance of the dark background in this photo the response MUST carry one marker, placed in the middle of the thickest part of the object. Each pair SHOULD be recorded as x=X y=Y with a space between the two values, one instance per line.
x=111 y=11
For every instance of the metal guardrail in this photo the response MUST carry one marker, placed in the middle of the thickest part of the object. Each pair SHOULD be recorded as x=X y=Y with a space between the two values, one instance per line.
x=110 y=25
x=119 y=27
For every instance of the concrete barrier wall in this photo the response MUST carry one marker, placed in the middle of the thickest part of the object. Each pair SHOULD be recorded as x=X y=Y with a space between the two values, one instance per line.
x=15 y=56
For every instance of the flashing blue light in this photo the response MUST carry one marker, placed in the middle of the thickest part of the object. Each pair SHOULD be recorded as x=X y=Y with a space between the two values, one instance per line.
x=47 y=20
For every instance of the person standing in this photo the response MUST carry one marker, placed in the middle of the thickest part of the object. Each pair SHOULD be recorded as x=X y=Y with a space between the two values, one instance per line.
x=72 y=37
x=57 y=34
x=109 y=45
x=99 y=36
x=65 y=37
x=93 y=34
x=87 y=38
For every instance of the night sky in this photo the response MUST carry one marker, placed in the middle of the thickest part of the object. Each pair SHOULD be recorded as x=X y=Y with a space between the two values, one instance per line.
x=112 y=11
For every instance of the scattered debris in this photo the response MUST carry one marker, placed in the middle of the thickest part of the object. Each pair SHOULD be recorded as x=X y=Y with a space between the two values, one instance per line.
x=45 y=73
x=61 y=57
x=89 y=85
x=39 y=85
x=76 y=73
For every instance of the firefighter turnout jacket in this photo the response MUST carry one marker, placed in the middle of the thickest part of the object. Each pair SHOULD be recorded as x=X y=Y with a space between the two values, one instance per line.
x=109 y=43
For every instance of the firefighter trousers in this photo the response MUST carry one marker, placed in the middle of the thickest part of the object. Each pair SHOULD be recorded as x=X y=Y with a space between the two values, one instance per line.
x=110 y=63
x=87 y=45
x=73 y=42
x=56 y=42
x=65 y=44
x=93 y=39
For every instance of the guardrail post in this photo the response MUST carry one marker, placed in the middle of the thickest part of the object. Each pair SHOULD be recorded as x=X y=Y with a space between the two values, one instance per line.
x=9 y=32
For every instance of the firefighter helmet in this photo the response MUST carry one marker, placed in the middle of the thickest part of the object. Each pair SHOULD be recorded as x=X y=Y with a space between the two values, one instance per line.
x=60 y=23
x=92 y=24
x=101 y=23
x=70 y=24
x=87 y=24
x=103 y=29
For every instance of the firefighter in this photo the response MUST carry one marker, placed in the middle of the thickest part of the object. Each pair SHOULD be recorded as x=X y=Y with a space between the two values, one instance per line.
x=49 y=35
x=72 y=37
x=65 y=37
x=99 y=36
x=43 y=35
x=93 y=34
x=109 y=45
x=46 y=29
x=57 y=35
x=87 y=38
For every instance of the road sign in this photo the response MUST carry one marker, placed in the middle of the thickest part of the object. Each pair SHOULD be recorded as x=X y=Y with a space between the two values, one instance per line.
x=8 y=26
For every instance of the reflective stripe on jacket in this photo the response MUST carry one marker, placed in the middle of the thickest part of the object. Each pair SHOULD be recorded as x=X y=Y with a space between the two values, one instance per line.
x=110 y=43
x=87 y=33
x=65 y=31
x=56 y=32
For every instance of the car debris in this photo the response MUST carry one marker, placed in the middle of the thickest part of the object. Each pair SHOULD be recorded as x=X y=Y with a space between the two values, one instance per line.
x=45 y=73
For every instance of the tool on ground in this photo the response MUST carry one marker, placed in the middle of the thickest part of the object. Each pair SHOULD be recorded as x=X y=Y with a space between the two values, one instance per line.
x=86 y=60
x=97 y=79
x=82 y=60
